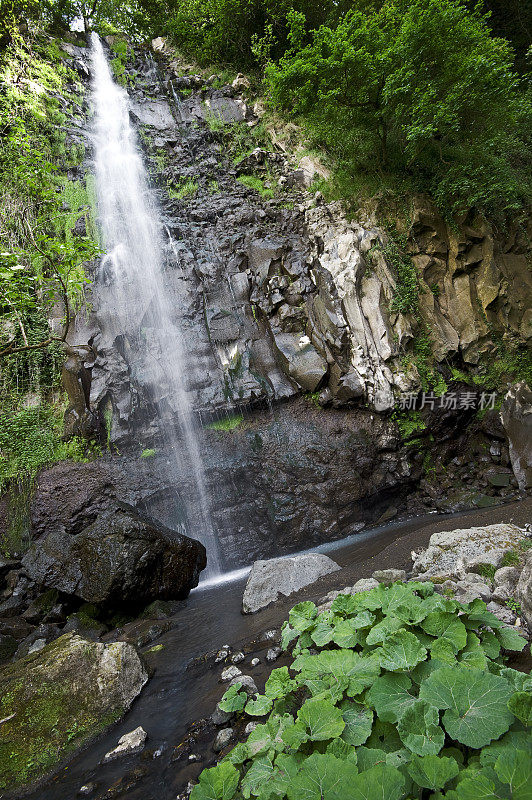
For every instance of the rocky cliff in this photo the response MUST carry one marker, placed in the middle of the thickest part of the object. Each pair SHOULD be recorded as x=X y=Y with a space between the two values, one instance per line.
x=297 y=347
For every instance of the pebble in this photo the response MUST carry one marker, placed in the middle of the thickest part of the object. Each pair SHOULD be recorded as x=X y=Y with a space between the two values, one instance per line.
x=255 y=662
x=219 y=717
x=87 y=788
x=250 y=727
x=238 y=657
x=229 y=673
x=129 y=743
x=222 y=654
x=222 y=739
x=273 y=654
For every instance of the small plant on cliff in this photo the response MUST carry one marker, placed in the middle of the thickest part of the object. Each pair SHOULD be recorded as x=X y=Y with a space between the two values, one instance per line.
x=394 y=693
x=228 y=423
x=182 y=189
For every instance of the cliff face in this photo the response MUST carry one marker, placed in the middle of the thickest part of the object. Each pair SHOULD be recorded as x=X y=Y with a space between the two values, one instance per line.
x=280 y=297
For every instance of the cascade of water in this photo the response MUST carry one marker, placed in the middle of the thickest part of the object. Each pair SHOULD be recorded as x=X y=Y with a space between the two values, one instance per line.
x=134 y=302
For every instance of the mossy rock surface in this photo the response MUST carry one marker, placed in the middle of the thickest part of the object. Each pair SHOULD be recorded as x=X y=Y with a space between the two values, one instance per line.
x=55 y=700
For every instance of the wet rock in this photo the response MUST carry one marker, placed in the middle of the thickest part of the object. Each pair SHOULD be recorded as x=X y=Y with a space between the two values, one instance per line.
x=223 y=738
x=524 y=590
x=283 y=576
x=85 y=626
x=222 y=654
x=273 y=654
x=71 y=684
x=389 y=575
x=120 y=561
x=363 y=585
x=41 y=606
x=237 y=657
x=128 y=744
x=453 y=553
x=229 y=673
x=219 y=717
x=247 y=683
x=7 y=565
x=516 y=415
x=8 y=647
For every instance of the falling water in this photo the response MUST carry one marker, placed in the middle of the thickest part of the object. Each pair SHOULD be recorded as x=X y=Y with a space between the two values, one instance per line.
x=136 y=309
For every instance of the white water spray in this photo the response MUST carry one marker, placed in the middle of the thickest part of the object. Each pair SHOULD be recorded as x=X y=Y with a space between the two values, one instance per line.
x=135 y=306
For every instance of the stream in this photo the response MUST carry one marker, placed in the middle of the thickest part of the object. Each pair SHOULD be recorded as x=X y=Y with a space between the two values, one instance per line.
x=185 y=687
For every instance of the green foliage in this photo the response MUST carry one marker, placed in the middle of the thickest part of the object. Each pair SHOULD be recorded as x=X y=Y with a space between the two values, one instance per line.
x=31 y=438
x=150 y=452
x=228 y=423
x=410 y=423
x=487 y=570
x=394 y=693
x=41 y=262
x=421 y=89
x=258 y=184
x=183 y=188
x=511 y=559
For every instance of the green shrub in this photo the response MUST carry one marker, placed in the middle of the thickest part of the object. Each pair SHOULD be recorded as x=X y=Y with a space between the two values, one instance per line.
x=31 y=438
x=394 y=693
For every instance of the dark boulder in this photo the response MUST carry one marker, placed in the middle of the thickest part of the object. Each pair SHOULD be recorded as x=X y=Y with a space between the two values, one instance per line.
x=121 y=560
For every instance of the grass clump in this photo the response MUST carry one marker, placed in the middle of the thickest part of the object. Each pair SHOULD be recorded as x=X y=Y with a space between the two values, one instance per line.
x=257 y=184
x=487 y=571
x=182 y=189
x=512 y=558
x=397 y=692
x=229 y=423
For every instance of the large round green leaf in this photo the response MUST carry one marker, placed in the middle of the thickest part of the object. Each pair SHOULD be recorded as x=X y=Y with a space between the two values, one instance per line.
x=419 y=729
x=446 y=626
x=381 y=782
x=358 y=722
x=218 y=783
x=432 y=772
x=322 y=719
x=401 y=651
x=390 y=696
x=476 y=703
x=322 y=777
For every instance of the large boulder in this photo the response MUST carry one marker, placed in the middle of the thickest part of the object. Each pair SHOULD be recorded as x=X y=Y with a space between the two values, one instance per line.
x=455 y=553
x=283 y=576
x=516 y=415
x=53 y=701
x=524 y=590
x=121 y=560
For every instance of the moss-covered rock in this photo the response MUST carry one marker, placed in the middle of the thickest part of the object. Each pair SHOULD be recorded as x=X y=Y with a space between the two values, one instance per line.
x=53 y=701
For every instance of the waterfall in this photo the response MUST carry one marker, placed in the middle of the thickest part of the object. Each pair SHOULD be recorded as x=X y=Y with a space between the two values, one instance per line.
x=135 y=308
